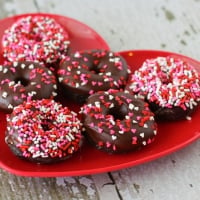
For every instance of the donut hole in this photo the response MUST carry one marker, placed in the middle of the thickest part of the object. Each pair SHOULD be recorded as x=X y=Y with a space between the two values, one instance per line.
x=118 y=112
x=165 y=78
x=38 y=38
x=21 y=80
x=94 y=69
x=46 y=125
x=34 y=37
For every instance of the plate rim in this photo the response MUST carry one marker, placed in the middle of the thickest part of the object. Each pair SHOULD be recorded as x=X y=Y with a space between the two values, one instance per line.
x=121 y=166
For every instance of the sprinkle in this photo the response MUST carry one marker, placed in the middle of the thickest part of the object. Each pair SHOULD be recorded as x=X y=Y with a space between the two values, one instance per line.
x=5 y=70
x=144 y=143
x=142 y=135
x=4 y=94
x=114 y=137
x=131 y=106
x=22 y=65
x=188 y=118
x=10 y=106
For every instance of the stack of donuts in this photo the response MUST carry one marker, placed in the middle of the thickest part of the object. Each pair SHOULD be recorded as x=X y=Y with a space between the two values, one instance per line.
x=119 y=109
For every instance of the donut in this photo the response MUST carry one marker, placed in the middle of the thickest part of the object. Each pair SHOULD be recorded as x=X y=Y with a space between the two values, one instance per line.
x=22 y=81
x=118 y=122
x=170 y=85
x=43 y=131
x=83 y=73
x=35 y=38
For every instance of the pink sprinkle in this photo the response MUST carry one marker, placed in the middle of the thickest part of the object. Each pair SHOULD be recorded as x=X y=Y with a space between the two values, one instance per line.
x=133 y=130
x=112 y=132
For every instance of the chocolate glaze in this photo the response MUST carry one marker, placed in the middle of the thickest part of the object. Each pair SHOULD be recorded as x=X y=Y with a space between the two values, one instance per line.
x=118 y=122
x=22 y=81
x=170 y=114
x=84 y=73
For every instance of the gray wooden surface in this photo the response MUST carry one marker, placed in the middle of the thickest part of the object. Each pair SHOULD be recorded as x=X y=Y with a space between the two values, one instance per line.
x=171 y=25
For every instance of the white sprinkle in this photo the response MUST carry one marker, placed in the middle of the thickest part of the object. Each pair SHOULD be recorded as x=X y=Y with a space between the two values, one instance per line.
x=32 y=93
x=111 y=105
x=15 y=64
x=68 y=138
x=77 y=85
x=33 y=83
x=108 y=74
x=110 y=97
x=4 y=94
x=11 y=83
x=10 y=106
x=78 y=72
x=136 y=108
x=5 y=70
x=142 y=135
x=60 y=79
x=152 y=118
x=127 y=117
x=131 y=106
x=97 y=104
x=144 y=143
x=31 y=66
x=71 y=136
x=54 y=94
x=116 y=59
x=114 y=137
x=110 y=54
x=77 y=55
x=1 y=68
x=112 y=122
x=188 y=118
x=23 y=65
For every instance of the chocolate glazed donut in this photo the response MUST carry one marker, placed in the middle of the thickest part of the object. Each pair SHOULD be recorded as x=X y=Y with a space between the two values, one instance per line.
x=24 y=81
x=170 y=85
x=84 y=73
x=43 y=131
x=118 y=122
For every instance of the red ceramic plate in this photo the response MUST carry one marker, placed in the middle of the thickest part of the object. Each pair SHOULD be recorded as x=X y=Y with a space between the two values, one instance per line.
x=171 y=136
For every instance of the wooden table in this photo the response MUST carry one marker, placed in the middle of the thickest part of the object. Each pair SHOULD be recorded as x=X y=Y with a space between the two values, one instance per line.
x=171 y=25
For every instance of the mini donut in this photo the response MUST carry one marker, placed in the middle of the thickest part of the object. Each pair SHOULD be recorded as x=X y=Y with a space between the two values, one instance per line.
x=84 y=73
x=43 y=131
x=118 y=122
x=35 y=38
x=22 y=81
x=170 y=85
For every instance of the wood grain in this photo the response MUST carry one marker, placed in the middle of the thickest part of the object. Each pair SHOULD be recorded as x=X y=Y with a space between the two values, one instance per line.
x=125 y=24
